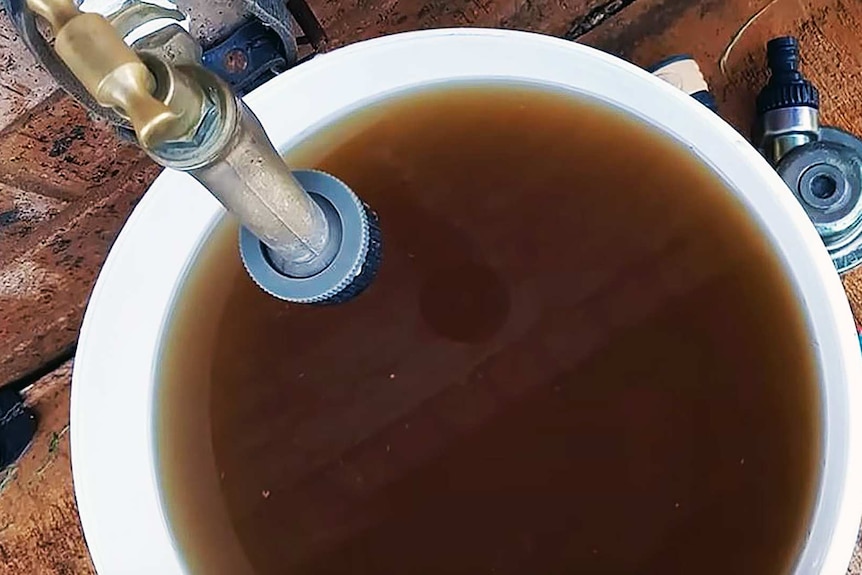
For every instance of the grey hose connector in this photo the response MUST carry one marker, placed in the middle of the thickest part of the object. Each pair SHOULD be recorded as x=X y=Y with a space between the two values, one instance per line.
x=353 y=230
x=306 y=237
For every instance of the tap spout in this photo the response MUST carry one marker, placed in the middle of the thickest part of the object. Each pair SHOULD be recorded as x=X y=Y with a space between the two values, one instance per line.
x=308 y=245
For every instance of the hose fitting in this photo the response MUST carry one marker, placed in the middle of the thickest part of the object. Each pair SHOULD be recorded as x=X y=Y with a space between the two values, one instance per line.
x=301 y=247
x=788 y=107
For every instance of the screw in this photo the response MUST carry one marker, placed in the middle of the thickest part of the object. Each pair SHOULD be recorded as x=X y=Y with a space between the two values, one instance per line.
x=235 y=61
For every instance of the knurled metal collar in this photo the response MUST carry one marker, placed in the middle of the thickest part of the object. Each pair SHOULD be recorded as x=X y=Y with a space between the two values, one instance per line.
x=349 y=225
x=826 y=178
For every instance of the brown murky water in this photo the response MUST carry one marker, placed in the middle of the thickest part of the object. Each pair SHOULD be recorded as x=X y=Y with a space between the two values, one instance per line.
x=579 y=356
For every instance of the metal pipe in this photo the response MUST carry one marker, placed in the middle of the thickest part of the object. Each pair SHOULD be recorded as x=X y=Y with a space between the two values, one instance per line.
x=192 y=121
x=252 y=181
x=321 y=248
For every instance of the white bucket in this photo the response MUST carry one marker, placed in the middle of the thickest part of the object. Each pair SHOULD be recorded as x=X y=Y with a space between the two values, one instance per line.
x=113 y=399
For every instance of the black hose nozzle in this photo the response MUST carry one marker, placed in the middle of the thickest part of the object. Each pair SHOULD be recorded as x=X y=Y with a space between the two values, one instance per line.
x=787 y=87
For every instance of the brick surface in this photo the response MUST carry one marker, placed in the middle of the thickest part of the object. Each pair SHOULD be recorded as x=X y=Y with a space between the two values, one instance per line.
x=21 y=212
x=57 y=150
x=44 y=284
x=23 y=84
x=69 y=183
x=354 y=20
x=39 y=530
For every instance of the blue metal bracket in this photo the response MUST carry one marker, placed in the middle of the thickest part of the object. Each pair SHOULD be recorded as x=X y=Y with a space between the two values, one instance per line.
x=250 y=56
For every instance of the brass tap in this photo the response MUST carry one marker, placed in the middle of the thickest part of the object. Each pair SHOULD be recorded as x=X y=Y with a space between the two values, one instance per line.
x=113 y=74
x=316 y=245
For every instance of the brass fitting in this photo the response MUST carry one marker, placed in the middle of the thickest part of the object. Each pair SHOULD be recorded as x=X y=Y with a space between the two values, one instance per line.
x=186 y=118
x=307 y=246
x=113 y=74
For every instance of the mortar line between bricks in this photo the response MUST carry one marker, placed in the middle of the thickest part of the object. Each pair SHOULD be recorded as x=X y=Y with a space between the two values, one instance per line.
x=37 y=186
x=13 y=90
x=51 y=99
x=596 y=17
x=28 y=379
x=31 y=192
x=73 y=211
x=33 y=185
